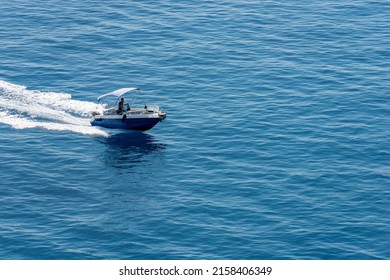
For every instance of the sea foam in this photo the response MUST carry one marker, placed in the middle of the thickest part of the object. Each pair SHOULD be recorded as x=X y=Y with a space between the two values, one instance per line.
x=22 y=108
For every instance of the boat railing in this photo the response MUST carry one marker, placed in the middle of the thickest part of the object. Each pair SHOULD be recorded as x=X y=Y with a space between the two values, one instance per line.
x=147 y=109
x=111 y=111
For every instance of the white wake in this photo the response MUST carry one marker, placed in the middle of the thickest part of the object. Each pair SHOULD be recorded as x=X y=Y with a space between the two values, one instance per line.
x=22 y=108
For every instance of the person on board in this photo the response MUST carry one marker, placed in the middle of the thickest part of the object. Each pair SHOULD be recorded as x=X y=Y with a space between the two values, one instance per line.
x=120 y=106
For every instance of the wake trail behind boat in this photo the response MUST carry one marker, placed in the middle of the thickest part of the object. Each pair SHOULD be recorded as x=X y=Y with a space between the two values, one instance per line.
x=22 y=108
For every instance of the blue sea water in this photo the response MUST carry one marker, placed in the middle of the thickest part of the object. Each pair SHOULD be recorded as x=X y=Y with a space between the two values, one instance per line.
x=276 y=144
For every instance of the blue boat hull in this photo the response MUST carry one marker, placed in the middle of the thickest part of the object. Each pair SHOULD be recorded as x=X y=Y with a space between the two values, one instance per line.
x=129 y=123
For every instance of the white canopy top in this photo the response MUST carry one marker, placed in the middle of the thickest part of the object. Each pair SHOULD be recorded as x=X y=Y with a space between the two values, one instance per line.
x=117 y=93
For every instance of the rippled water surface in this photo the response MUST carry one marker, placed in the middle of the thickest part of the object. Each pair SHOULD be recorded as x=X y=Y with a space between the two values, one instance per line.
x=276 y=144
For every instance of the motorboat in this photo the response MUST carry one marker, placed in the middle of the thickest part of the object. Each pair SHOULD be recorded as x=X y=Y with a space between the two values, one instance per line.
x=124 y=115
